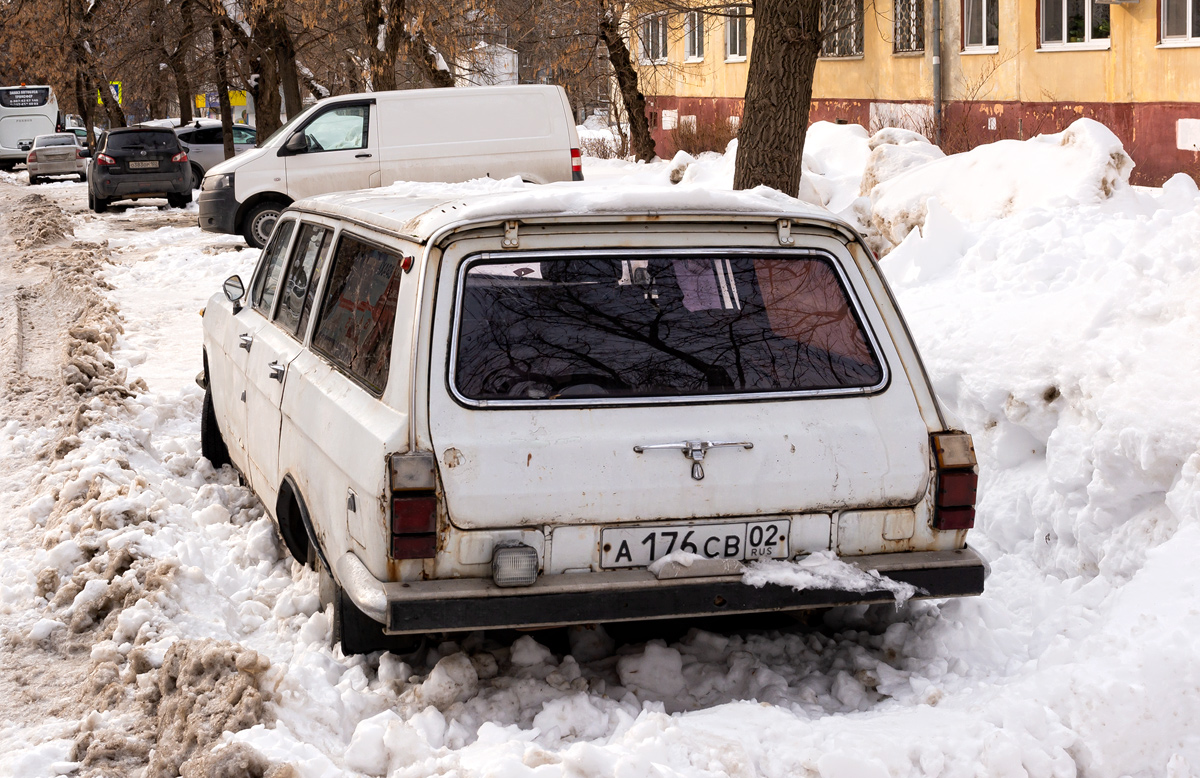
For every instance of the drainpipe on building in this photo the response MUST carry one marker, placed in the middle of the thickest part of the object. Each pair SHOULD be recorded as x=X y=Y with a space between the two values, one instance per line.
x=937 y=72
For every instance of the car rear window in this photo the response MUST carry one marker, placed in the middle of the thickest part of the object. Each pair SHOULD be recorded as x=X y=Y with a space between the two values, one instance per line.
x=147 y=140
x=54 y=140
x=640 y=326
x=358 y=311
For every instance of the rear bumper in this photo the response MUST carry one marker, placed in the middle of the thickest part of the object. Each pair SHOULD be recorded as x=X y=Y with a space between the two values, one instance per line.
x=110 y=186
x=632 y=595
x=218 y=211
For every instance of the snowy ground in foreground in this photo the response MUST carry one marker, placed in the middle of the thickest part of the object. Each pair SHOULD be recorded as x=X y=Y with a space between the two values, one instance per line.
x=1055 y=307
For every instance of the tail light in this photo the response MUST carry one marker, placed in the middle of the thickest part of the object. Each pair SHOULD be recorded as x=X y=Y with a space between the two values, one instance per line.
x=31 y=158
x=104 y=159
x=957 y=480
x=576 y=165
x=79 y=154
x=180 y=157
x=414 y=506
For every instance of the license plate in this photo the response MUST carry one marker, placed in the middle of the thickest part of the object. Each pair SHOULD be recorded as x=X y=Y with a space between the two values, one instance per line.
x=144 y=164
x=639 y=546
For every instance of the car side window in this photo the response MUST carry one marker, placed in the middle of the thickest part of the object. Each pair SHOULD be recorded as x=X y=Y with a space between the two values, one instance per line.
x=270 y=268
x=339 y=129
x=308 y=260
x=358 y=311
x=243 y=135
x=210 y=136
x=185 y=137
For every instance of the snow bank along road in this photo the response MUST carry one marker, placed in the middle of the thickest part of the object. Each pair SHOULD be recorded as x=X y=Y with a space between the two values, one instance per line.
x=151 y=624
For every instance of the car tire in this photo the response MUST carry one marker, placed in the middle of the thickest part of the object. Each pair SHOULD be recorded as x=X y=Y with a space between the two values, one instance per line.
x=260 y=222
x=197 y=175
x=179 y=200
x=212 y=445
x=83 y=177
x=34 y=180
x=99 y=204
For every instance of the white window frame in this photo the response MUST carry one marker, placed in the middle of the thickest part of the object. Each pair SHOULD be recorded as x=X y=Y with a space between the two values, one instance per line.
x=1088 y=41
x=654 y=30
x=736 y=34
x=985 y=47
x=1191 y=36
x=693 y=37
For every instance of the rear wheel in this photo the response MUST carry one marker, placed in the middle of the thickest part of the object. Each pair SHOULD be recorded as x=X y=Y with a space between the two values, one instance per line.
x=179 y=200
x=260 y=222
x=212 y=445
x=34 y=180
x=197 y=175
x=83 y=176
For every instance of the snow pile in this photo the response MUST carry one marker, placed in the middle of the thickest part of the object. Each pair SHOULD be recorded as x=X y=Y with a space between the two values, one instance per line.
x=1083 y=164
x=893 y=151
x=824 y=570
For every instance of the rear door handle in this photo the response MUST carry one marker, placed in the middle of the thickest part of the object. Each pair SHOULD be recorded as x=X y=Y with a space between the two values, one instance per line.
x=361 y=156
x=276 y=370
x=245 y=340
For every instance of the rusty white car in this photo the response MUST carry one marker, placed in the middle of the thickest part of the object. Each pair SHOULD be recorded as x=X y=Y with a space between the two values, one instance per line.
x=505 y=410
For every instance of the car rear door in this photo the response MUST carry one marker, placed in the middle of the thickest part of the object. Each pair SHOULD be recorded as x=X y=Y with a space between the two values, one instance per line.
x=341 y=153
x=648 y=385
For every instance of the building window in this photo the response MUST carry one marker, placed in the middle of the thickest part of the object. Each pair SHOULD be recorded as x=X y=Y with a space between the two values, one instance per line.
x=981 y=24
x=693 y=35
x=841 y=28
x=1073 y=21
x=654 y=38
x=1181 y=19
x=735 y=32
x=908 y=26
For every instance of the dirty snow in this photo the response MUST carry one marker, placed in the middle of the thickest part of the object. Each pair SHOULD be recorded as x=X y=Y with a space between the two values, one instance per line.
x=1054 y=306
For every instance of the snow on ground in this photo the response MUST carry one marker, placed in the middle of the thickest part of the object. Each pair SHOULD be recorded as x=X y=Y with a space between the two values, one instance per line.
x=1061 y=330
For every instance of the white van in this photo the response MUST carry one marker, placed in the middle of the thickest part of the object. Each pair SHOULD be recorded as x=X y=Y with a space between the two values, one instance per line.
x=506 y=410
x=370 y=140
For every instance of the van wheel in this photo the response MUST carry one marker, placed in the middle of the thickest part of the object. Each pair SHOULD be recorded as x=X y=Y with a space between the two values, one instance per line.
x=212 y=445
x=179 y=200
x=260 y=222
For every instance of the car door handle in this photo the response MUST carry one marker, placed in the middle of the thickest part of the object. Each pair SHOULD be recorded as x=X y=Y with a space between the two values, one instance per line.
x=361 y=156
x=276 y=371
x=245 y=340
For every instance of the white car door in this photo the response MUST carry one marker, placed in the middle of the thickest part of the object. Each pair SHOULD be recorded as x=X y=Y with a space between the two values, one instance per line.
x=276 y=345
x=340 y=152
x=230 y=384
x=674 y=384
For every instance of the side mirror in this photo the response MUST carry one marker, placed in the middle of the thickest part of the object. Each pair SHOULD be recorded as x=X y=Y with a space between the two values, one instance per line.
x=234 y=290
x=297 y=144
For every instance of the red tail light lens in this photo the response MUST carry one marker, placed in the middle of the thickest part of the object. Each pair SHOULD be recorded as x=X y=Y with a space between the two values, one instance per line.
x=79 y=154
x=31 y=158
x=576 y=161
x=414 y=525
x=180 y=157
x=957 y=481
x=104 y=159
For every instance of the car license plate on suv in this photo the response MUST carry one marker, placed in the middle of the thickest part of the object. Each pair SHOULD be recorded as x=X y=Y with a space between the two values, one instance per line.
x=639 y=546
x=141 y=164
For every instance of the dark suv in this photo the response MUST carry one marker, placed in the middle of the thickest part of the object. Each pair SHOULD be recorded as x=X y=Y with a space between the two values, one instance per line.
x=135 y=162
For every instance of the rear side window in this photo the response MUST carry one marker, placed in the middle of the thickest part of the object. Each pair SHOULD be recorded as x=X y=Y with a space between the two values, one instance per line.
x=627 y=326
x=308 y=259
x=358 y=311
x=270 y=268
x=143 y=140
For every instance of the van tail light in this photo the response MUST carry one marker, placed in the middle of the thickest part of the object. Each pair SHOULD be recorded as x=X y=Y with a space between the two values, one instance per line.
x=414 y=506
x=180 y=157
x=104 y=159
x=957 y=481
x=576 y=165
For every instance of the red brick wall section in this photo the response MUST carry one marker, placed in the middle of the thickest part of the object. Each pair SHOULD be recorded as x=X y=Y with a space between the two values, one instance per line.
x=1146 y=129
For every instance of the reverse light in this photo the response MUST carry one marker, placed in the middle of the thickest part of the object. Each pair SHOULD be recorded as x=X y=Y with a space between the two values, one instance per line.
x=180 y=157
x=104 y=159
x=957 y=481
x=515 y=566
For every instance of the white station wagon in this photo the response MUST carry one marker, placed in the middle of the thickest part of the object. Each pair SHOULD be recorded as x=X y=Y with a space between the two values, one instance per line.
x=505 y=410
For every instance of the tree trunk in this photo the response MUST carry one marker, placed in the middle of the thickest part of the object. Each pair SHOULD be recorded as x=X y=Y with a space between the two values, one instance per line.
x=183 y=86
x=285 y=59
x=219 y=55
x=81 y=93
x=787 y=41
x=427 y=59
x=641 y=142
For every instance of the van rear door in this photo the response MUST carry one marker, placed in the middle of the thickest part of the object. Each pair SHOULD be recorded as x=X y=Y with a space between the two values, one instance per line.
x=642 y=385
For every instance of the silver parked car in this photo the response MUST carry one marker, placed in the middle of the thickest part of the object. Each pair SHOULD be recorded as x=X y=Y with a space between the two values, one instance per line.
x=57 y=154
x=205 y=145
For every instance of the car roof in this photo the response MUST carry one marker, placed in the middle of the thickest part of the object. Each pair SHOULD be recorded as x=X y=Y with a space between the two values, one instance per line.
x=138 y=128
x=419 y=211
